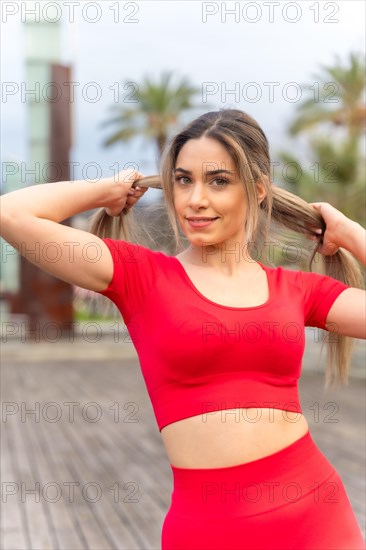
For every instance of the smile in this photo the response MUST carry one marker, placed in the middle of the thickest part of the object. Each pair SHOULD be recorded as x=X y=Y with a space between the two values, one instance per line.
x=200 y=222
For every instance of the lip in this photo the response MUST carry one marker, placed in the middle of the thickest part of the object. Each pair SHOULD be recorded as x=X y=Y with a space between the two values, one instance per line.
x=197 y=223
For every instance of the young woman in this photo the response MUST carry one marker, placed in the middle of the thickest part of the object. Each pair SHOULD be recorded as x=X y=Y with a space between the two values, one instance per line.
x=219 y=334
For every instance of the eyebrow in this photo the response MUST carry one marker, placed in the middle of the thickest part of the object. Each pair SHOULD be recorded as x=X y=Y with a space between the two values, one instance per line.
x=208 y=172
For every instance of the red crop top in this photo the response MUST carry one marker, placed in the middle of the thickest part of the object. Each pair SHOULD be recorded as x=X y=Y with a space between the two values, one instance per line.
x=197 y=356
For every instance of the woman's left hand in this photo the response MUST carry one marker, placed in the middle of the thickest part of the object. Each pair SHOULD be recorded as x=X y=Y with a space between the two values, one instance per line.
x=336 y=227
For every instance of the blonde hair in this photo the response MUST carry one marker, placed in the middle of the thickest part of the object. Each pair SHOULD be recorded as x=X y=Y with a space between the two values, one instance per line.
x=247 y=144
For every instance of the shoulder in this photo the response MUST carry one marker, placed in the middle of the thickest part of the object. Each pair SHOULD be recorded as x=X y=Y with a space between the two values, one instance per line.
x=129 y=252
x=286 y=276
x=136 y=269
x=307 y=282
x=298 y=276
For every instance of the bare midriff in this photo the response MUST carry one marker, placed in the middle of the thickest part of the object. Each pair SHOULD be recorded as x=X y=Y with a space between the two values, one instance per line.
x=230 y=437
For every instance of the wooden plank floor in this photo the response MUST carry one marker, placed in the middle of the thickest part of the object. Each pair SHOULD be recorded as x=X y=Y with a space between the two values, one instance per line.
x=92 y=454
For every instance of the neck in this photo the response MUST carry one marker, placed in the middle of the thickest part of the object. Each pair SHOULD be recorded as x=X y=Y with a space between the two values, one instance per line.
x=222 y=258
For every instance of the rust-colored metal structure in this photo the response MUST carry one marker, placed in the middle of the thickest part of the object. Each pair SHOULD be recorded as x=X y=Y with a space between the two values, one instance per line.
x=45 y=300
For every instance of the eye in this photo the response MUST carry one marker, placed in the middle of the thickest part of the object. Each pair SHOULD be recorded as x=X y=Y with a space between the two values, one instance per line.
x=179 y=178
x=223 y=182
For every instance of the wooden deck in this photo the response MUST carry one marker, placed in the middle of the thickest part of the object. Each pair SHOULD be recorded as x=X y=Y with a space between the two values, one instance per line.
x=105 y=483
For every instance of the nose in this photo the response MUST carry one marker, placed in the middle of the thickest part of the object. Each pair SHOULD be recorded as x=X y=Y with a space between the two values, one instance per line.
x=198 y=197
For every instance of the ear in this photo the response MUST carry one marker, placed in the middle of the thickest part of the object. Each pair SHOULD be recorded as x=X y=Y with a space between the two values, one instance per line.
x=261 y=188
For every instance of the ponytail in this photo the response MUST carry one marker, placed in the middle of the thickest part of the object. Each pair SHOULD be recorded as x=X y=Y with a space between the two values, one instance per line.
x=296 y=214
x=125 y=226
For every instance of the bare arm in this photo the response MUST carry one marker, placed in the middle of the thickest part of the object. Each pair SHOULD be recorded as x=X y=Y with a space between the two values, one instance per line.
x=30 y=223
x=348 y=312
x=354 y=240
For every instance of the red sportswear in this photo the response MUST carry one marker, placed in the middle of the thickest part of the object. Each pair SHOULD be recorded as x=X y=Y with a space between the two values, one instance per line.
x=198 y=356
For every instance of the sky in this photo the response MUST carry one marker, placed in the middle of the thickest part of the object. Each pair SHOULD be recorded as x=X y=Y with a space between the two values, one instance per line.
x=263 y=50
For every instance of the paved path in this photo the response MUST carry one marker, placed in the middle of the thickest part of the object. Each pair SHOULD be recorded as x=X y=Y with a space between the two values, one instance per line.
x=87 y=469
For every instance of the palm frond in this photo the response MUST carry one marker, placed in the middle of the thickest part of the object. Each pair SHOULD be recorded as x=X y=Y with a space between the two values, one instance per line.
x=122 y=135
x=159 y=107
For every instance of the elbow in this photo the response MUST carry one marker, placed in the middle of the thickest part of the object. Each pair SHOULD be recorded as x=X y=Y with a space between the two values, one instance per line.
x=11 y=225
x=5 y=219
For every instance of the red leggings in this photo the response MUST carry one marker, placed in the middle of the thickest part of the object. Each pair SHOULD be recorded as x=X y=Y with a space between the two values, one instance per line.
x=292 y=499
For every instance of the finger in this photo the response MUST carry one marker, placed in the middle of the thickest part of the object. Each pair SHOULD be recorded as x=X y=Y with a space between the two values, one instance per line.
x=131 y=201
x=135 y=196
x=328 y=249
x=135 y=192
x=317 y=206
x=316 y=229
x=141 y=189
x=137 y=177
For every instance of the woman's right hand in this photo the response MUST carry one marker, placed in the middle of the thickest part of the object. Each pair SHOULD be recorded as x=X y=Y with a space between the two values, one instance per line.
x=125 y=197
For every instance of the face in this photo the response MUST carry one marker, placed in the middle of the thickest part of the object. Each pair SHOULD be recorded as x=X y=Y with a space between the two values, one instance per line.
x=219 y=195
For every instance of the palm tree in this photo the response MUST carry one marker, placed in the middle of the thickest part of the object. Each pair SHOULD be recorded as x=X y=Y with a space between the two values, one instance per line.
x=336 y=165
x=335 y=170
x=335 y=173
x=338 y=99
x=156 y=109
